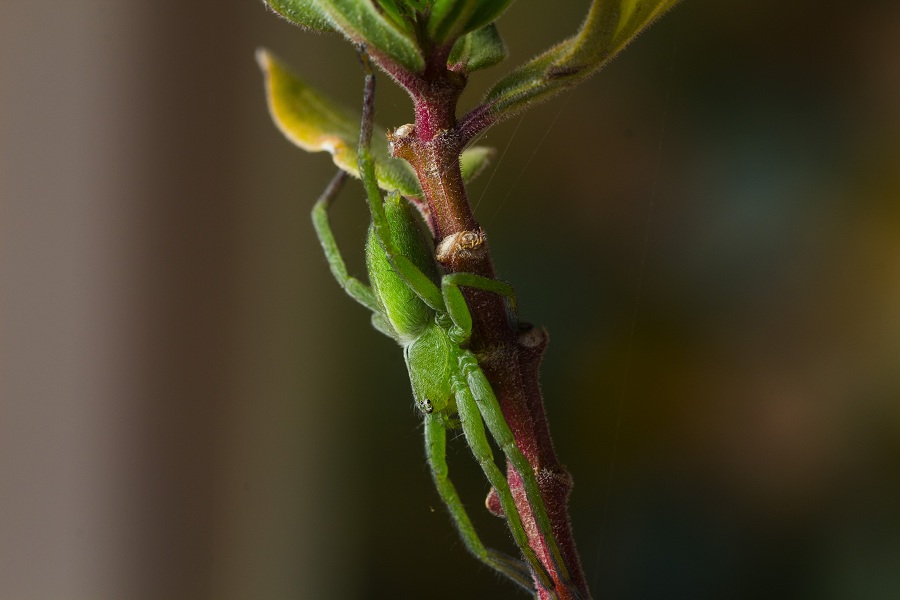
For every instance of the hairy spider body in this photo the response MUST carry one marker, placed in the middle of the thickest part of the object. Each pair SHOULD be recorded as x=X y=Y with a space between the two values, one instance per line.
x=405 y=317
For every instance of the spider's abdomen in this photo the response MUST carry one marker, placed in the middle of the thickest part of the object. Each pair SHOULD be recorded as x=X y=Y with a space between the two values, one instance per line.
x=405 y=311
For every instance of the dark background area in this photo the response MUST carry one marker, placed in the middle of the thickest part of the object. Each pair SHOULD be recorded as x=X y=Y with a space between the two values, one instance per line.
x=710 y=229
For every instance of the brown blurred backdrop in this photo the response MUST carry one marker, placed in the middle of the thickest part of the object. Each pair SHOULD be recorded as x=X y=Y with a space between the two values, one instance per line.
x=710 y=229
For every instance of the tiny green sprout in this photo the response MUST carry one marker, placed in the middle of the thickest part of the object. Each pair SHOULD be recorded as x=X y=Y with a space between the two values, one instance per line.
x=426 y=313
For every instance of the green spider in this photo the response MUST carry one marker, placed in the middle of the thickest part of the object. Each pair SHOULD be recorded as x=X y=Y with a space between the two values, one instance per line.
x=427 y=315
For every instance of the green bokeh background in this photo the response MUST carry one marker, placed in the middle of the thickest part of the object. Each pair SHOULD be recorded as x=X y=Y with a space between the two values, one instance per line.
x=709 y=229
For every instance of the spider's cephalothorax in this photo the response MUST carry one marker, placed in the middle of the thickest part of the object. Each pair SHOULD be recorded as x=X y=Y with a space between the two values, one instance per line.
x=425 y=311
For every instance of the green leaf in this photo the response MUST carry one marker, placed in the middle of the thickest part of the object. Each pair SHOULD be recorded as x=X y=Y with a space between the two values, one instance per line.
x=403 y=12
x=312 y=121
x=399 y=13
x=479 y=49
x=362 y=23
x=609 y=27
x=305 y=13
x=450 y=19
x=474 y=160
x=487 y=12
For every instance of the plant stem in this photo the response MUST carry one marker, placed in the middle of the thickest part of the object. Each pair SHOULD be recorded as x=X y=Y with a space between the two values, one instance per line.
x=509 y=352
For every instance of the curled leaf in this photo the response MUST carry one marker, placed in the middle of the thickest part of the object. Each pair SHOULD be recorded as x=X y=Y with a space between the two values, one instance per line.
x=609 y=27
x=314 y=122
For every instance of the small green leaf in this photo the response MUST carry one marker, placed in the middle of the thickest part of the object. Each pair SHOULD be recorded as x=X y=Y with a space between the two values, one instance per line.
x=305 y=13
x=315 y=123
x=403 y=13
x=362 y=23
x=399 y=13
x=474 y=160
x=487 y=12
x=609 y=27
x=479 y=49
x=450 y=19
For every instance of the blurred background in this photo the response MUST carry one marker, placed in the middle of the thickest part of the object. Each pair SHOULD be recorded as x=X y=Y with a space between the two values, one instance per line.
x=710 y=229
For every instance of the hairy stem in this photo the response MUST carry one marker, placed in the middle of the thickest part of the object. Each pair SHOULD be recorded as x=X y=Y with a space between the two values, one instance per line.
x=509 y=352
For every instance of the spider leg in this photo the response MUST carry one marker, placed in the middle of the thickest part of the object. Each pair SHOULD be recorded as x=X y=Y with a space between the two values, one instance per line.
x=355 y=288
x=383 y=325
x=436 y=449
x=480 y=389
x=473 y=426
x=456 y=305
x=418 y=281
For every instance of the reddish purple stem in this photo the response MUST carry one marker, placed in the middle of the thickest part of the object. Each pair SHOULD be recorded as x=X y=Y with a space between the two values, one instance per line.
x=509 y=354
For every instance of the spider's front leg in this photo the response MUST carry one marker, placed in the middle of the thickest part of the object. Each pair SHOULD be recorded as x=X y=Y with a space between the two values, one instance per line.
x=418 y=281
x=456 y=306
x=355 y=288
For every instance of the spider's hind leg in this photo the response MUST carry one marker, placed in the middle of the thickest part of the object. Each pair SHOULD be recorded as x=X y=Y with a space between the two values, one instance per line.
x=480 y=389
x=473 y=426
x=436 y=449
